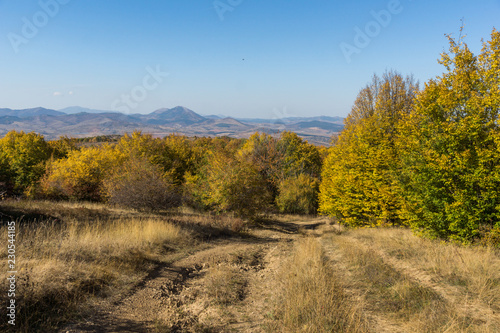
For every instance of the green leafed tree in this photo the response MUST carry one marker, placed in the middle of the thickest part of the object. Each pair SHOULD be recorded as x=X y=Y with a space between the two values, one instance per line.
x=450 y=147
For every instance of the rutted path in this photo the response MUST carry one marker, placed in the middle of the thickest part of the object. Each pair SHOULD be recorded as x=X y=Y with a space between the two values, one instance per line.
x=476 y=310
x=379 y=323
x=231 y=285
x=179 y=297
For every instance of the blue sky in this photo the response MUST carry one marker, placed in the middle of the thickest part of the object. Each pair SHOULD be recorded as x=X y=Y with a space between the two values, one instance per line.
x=244 y=58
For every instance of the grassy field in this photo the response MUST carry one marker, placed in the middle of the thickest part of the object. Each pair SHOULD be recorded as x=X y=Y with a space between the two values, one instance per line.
x=67 y=253
x=83 y=267
x=410 y=284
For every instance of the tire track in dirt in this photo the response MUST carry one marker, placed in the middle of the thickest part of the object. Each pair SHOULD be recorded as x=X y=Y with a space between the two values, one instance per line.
x=254 y=310
x=379 y=323
x=136 y=311
x=450 y=294
x=173 y=293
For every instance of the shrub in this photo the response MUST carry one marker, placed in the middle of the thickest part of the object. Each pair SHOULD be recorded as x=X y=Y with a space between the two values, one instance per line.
x=298 y=195
x=235 y=185
x=81 y=175
x=139 y=184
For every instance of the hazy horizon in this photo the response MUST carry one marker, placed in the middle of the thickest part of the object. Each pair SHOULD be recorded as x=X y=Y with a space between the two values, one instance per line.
x=200 y=112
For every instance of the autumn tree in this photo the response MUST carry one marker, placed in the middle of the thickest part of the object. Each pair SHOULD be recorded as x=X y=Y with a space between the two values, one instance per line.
x=22 y=158
x=5 y=177
x=178 y=157
x=228 y=183
x=283 y=158
x=80 y=176
x=297 y=156
x=358 y=178
x=261 y=150
x=61 y=147
x=298 y=195
x=450 y=148
x=140 y=145
x=174 y=153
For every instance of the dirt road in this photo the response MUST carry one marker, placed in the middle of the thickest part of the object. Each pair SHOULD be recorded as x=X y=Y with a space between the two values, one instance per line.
x=227 y=286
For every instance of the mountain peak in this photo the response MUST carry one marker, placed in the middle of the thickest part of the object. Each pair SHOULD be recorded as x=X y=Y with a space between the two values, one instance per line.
x=177 y=109
x=178 y=114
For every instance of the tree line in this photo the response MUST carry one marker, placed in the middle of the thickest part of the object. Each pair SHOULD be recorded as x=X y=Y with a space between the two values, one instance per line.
x=244 y=176
x=429 y=158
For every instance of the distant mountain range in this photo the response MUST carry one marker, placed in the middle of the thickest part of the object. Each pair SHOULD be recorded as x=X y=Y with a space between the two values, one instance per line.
x=26 y=113
x=77 y=121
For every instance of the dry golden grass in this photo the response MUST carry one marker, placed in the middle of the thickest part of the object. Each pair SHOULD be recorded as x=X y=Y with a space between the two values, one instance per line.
x=474 y=271
x=367 y=280
x=311 y=298
x=421 y=285
x=62 y=262
x=224 y=284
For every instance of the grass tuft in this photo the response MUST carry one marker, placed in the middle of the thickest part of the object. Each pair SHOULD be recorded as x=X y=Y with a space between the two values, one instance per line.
x=312 y=299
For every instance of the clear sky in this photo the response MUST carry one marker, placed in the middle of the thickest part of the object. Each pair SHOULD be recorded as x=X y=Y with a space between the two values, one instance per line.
x=242 y=58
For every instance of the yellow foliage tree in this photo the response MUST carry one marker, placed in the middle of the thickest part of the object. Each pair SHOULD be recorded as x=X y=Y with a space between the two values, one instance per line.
x=22 y=158
x=81 y=175
x=358 y=180
x=174 y=153
x=298 y=195
x=235 y=185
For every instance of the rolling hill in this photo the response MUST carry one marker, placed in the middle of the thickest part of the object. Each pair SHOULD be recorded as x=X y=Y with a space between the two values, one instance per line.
x=83 y=122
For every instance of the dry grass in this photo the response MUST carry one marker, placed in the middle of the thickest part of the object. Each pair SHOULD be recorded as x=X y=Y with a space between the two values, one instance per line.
x=224 y=284
x=70 y=253
x=412 y=282
x=73 y=251
x=210 y=224
x=474 y=271
x=312 y=299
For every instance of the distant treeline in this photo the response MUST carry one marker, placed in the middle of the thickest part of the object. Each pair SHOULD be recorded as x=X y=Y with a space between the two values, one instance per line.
x=428 y=159
x=245 y=176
